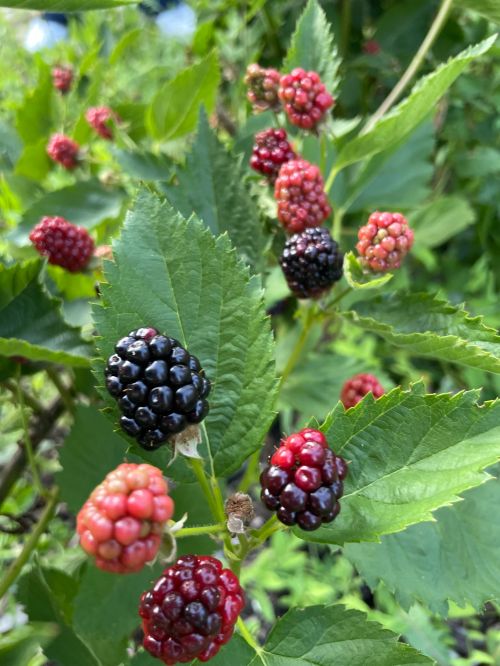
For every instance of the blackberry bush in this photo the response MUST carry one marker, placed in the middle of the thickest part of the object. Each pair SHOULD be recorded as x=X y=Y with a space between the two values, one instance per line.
x=311 y=262
x=65 y=244
x=355 y=389
x=304 y=482
x=271 y=150
x=122 y=522
x=384 y=241
x=159 y=386
x=190 y=612
x=304 y=97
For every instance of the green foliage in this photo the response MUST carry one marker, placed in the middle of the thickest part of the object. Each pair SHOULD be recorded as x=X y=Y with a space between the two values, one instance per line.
x=441 y=219
x=358 y=279
x=64 y=5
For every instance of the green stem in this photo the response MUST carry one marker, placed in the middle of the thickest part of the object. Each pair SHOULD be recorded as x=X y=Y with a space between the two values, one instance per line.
x=265 y=531
x=331 y=177
x=64 y=392
x=323 y=148
x=28 y=445
x=337 y=224
x=245 y=632
x=345 y=27
x=199 y=531
x=15 y=568
x=250 y=472
x=29 y=400
x=199 y=471
x=340 y=296
x=413 y=67
x=299 y=346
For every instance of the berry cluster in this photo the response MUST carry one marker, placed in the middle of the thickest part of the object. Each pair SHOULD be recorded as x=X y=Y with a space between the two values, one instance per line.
x=384 y=241
x=311 y=262
x=357 y=387
x=270 y=152
x=63 y=150
x=191 y=610
x=304 y=482
x=304 y=98
x=62 y=78
x=263 y=87
x=299 y=192
x=99 y=118
x=160 y=388
x=63 y=243
x=121 y=523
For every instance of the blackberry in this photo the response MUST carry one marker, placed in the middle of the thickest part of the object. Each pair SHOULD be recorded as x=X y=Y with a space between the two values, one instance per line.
x=191 y=610
x=262 y=87
x=311 y=262
x=304 y=97
x=270 y=151
x=63 y=150
x=121 y=523
x=304 y=481
x=159 y=386
x=384 y=241
x=357 y=387
x=65 y=244
x=99 y=118
x=62 y=78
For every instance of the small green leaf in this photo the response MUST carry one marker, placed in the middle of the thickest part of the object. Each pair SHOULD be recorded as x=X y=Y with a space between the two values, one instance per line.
x=65 y=5
x=409 y=113
x=31 y=323
x=440 y=220
x=358 y=279
x=426 y=326
x=313 y=48
x=409 y=454
x=453 y=558
x=34 y=162
x=488 y=8
x=18 y=646
x=174 y=109
x=33 y=118
x=196 y=290
x=220 y=198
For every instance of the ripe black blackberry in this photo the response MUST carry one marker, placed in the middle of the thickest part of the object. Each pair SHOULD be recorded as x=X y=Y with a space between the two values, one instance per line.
x=160 y=387
x=304 y=482
x=311 y=262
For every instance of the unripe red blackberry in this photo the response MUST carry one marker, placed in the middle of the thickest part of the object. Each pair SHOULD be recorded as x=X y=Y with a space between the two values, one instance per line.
x=65 y=244
x=384 y=241
x=190 y=612
x=99 y=118
x=371 y=47
x=62 y=78
x=160 y=387
x=357 y=387
x=304 y=98
x=311 y=262
x=299 y=192
x=121 y=523
x=263 y=87
x=63 y=150
x=304 y=481
x=270 y=152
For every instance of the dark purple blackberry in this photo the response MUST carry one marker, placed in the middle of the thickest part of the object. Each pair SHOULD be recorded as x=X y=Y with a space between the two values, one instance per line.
x=311 y=262
x=304 y=482
x=159 y=386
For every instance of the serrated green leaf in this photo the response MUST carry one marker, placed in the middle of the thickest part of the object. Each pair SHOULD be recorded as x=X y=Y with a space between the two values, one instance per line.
x=409 y=454
x=453 y=558
x=423 y=325
x=357 y=279
x=196 y=290
x=65 y=5
x=408 y=114
x=33 y=118
x=89 y=452
x=312 y=46
x=488 y=8
x=31 y=323
x=20 y=645
x=143 y=165
x=220 y=198
x=440 y=220
x=86 y=203
x=174 y=109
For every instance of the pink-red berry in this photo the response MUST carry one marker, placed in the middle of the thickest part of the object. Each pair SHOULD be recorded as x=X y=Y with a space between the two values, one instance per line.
x=270 y=152
x=121 y=523
x=299 y=192
x=304 y=482
x=191 y=610
x=100 y=118
x=262 y=84
x=62 y=78
x=64 y=244
x=304 y=97
x=371 y=47
x=384 y=241
x=63 y=150
x=357 y=387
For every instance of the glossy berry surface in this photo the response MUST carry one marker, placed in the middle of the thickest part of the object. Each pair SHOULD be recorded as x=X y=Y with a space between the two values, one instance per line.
x=300 y=195
x=311 y=262
x=99 y=118
x=121 y=523
x=270 y=152
x=191 y=610
x=304 y=98
x=304 y=482
x=63 y=150
x=384 y=241
x=65 y=244
x=357 y=387
x=62 y=78
x=160 y=387
x=262 y=84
